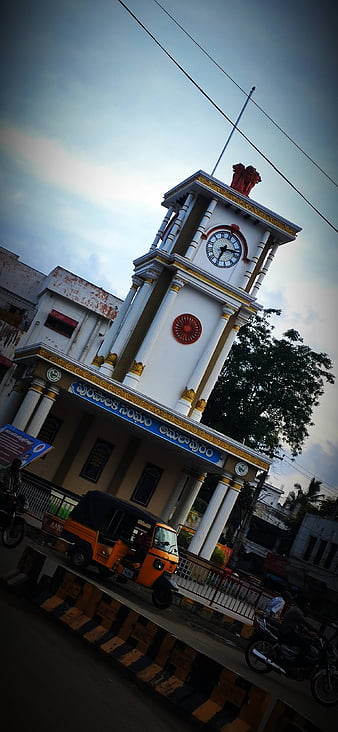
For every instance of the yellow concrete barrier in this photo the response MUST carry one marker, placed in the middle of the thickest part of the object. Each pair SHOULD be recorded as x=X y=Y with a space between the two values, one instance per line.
x=205 y=690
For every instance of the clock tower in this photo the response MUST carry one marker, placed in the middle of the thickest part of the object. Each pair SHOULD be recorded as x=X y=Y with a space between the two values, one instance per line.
x=193 y=290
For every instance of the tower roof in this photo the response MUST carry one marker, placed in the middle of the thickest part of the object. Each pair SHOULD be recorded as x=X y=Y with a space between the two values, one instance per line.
x=204 y=184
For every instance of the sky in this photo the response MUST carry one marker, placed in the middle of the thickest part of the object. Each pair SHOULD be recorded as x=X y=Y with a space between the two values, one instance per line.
x=97 y=123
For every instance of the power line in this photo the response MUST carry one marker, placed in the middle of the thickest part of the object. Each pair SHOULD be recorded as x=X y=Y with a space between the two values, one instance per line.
x=244 y=92
x=307 y=474
x=200 y=89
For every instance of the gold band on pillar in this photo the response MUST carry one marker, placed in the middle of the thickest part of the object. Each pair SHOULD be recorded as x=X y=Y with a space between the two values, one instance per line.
x=111 y=359
x=98 y=361
x=137 y=367
x=50 y=394
x=201 y=405
x=188 y=395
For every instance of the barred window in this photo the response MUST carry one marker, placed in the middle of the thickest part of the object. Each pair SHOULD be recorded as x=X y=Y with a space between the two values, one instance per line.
x=96 y=461
x=146 y=484
x=50 y=429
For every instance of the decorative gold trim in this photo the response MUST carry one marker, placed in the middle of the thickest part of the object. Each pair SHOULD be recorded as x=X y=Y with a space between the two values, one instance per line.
x=111 y=359
x=37 y=388
x=50 y=394
x=117 y=390
x=209 y=281
x=137 y=367
x=98 y=361
x=201 y=405
x=224 y=479
x=188 y=394
x=248 y=205
x=237 y=486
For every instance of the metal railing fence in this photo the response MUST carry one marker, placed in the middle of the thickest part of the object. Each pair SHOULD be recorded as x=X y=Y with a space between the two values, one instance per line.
x=206 y=581
x=43 y=497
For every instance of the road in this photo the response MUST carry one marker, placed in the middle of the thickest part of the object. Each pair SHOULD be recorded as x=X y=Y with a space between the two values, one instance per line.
x=296 y=694
x=53 y=681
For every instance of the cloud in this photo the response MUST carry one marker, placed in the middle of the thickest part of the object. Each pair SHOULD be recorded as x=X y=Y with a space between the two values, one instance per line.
x=319 y=461
x=48 y=160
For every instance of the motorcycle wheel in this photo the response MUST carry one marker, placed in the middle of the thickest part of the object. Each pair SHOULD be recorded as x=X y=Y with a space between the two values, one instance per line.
x=254 y=663
x=162 y=598
x=13 y=534
x=324 y=688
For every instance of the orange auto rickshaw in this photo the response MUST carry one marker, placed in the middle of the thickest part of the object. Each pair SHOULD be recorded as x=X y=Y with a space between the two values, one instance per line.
x=124 y=541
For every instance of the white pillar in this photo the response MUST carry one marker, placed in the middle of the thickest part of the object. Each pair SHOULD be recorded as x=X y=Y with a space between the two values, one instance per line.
x=122 y=334
x=162 y=228
x=190 y=494
x=254 y=260
x=241 y=319
x=264 y=270
x=220 y=520
x=114 y=327
x=168 y=241
x=132 y=378
x=29 y=403
x=170 y=506
x=210 y=514
x=201 y=229
x=184 y=403
x=42 y=410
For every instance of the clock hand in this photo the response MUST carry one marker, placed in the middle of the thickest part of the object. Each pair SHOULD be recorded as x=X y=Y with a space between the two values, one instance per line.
x=222 y=250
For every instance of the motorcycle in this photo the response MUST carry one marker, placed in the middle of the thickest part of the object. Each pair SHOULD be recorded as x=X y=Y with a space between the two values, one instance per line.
x=265 y=653
x=12 y=523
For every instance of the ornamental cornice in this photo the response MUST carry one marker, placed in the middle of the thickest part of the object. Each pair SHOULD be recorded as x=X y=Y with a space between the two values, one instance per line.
x=117 y=390
x=248 y=205
x=208 y=281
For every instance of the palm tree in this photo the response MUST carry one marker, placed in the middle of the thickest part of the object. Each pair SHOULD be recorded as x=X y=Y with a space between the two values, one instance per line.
x=299 y=502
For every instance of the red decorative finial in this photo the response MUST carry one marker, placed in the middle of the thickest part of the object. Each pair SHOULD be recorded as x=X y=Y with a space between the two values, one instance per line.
x=244 y=179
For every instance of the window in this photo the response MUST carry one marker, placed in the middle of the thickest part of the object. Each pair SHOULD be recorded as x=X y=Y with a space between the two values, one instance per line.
x=147 y=484
x=310 y=545
x=49 y=429
x=96 y=461
x=330 y=557
x=61 y=323
x=320 y=551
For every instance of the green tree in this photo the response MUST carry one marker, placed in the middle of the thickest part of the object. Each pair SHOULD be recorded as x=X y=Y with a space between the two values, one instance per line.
x=268 y=388
x=312 y=500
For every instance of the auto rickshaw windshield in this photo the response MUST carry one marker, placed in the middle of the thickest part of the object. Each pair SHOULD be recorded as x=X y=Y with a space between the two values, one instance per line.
x=165 y=539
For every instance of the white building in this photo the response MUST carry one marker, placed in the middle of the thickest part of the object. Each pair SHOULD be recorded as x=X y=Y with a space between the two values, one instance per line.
x=122 y=405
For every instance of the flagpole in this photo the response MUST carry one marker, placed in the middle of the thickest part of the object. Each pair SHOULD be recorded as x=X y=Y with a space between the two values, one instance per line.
x=234 y=127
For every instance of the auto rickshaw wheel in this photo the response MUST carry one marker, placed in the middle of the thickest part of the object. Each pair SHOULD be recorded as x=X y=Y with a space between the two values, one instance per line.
x=80 y=556
x=162 y=597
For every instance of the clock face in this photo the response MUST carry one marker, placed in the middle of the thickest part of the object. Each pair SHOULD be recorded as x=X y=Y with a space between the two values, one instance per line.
x=241 y=469
x=224 y=248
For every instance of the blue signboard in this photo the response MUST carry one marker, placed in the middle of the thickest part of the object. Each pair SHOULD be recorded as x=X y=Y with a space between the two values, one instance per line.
x=17 y=444
x=147 y=422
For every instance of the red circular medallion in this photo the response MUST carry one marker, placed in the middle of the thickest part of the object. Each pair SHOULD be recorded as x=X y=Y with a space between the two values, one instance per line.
x=187 y=328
